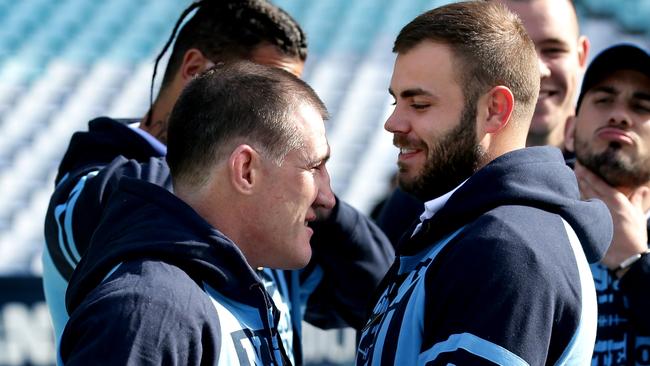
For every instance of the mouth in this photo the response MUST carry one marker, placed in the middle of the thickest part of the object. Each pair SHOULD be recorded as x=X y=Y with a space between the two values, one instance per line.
x=309 y=219
x=613 y=134
x=407 y=152
x=547 y=93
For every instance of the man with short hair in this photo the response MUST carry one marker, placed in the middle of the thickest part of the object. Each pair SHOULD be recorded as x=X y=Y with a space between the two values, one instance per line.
x=562 y=53
x=170 y=278
x=496 y=272
x=350 y=254
x=611 y=139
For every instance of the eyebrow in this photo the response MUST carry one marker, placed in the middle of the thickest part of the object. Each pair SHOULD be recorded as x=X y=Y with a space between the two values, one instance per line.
x=612 y=91
x=413 y=92
x=604 y=89
x=553 y=42
x=323 y=160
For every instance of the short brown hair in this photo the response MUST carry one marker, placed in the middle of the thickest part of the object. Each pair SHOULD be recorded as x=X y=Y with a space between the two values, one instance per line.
x=234 y=103
x=492 y=48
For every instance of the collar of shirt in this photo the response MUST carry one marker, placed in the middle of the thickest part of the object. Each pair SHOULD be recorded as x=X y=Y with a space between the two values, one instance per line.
x=157 y=145
x=431 y=207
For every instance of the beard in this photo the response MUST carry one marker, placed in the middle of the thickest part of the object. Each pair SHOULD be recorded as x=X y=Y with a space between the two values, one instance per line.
x=451 y=160
x=613 y=166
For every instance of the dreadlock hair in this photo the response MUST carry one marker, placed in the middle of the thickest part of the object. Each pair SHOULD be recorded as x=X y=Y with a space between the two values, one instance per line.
x=224 y=30
x=228 y=30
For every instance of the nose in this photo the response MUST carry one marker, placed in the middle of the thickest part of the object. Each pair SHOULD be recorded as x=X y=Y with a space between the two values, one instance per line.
x=395 y=123
x=325 y=197
x=544 y=70
x=619 y=116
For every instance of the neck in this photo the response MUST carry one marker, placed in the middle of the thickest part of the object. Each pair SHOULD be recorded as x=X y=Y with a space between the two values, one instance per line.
x=155 y=122
x=218 y=209
x=554 y=138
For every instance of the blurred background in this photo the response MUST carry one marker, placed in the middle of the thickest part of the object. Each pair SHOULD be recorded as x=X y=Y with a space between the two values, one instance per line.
x=63 y=62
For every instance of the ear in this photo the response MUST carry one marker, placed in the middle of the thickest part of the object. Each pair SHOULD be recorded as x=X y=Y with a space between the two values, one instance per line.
x=583 y=51
x=194 y=62
x=244 y=168
x=500 y=103
x=569 y=133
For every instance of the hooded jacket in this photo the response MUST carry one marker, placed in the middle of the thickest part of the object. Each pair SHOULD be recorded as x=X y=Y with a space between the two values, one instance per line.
x=159 y=285
x=350 y=254
x=499 y=275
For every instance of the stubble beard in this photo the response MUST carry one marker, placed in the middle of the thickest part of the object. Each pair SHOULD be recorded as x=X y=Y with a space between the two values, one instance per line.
x=613 y=166
x=449 y=161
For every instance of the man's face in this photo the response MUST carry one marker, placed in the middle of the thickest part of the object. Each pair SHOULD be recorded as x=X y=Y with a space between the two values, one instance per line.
x=294 y=190
x=269 y=55
x=432 y=125
x=553 y=27
x=612 y=129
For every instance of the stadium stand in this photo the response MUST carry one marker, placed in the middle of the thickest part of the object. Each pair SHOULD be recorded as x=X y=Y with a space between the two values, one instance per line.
x=65 y=61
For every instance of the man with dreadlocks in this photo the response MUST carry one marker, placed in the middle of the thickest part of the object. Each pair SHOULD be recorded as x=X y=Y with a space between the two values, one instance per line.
x=350 y=255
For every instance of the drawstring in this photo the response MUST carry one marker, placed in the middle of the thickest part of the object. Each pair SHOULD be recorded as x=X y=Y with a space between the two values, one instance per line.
x=269 y=326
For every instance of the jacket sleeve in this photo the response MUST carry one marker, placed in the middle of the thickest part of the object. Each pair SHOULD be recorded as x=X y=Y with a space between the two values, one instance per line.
x=635 y=287
x=350 y=257
x=122 y=323
x=77 y=202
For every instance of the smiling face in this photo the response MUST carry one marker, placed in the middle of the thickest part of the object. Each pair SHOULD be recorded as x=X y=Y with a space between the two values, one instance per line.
x=553 y=27
x=432 y=125
x=612 y=129
x=292 y=193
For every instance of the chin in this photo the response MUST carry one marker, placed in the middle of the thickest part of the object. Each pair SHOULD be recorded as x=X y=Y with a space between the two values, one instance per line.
x=300 y=257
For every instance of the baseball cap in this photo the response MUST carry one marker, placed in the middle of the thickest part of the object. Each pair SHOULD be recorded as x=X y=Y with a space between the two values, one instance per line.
x=625 y=56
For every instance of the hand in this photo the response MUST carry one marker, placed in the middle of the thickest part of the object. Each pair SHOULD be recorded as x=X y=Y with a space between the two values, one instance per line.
x=628 y=215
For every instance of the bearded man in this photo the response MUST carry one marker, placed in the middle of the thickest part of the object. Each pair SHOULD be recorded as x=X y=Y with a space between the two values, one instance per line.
x=610 y=136
x=496 y=272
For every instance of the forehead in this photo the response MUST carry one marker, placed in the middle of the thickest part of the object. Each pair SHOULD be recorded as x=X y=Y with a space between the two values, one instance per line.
x=270 y=55
x=310 y=122
x=429 y=66
x=624 y=81
x=546 y=19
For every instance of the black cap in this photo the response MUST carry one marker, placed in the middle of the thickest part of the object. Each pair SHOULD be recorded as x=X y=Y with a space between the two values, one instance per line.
x=625 y=56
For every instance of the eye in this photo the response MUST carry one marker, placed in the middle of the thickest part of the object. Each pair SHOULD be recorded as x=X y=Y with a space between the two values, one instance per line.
x=554 y=51
x=642 y=108
x=419 y=105
x=317 y=167
x=602 y=100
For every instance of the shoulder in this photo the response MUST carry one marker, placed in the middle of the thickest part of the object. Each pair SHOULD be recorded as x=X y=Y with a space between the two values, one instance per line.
x=147 y=311
x=511 y=250
x=143 y=290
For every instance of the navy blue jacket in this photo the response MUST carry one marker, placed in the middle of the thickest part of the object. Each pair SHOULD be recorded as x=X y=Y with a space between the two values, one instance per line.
x=159 y=286
x=498 y=276
x=350 y=254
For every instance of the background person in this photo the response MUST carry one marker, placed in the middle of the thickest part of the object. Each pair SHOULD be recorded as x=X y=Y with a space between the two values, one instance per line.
x=611 y=139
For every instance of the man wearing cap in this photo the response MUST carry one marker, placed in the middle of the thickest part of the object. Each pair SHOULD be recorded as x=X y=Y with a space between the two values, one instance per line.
x=610 y=136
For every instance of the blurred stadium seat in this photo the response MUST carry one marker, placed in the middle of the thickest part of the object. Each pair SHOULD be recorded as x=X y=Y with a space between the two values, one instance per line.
x=63 y=62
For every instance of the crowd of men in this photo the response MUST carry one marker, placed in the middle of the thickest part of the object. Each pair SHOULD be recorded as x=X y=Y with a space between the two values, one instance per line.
x=207 y=230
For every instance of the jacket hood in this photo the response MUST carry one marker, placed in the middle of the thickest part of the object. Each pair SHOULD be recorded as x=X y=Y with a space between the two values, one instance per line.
x=144 y=221
x=536 y=177
x=105 y=139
